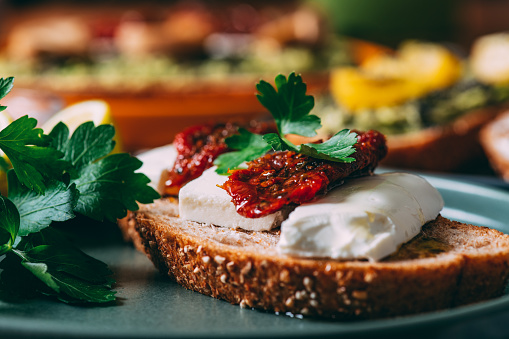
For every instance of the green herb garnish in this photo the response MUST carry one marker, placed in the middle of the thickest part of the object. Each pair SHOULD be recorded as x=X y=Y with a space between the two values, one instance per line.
x=27 y=149
x=290 y=108
x=249 y=145
x=5 y=87
x=54 y=178
x=108 y=184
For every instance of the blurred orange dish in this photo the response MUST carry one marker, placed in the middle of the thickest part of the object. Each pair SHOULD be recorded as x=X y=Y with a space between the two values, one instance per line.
x=151 y=118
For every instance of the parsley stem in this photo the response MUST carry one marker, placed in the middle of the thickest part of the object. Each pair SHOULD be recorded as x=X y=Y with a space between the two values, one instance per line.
x=20 y=254
x=288 y=143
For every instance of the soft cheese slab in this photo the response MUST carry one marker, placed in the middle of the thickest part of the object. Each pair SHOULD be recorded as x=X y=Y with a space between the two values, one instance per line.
x=367 y=217
x=202 y=201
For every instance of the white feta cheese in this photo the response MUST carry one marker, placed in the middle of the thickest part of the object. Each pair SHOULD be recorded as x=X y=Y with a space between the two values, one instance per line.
x=367 y=217
x=201 y=200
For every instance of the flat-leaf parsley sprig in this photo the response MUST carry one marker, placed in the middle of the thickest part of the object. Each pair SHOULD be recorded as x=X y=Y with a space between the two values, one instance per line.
x=53 y=178
x=290 y=107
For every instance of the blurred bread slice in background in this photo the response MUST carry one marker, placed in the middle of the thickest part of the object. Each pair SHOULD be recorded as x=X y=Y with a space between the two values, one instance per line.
x=427 y=99
x=494 y=139
x=490 y=63
x=490 y=58
x=449 y=147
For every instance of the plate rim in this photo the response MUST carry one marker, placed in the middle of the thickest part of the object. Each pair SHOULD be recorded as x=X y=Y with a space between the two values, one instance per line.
x=449 y=316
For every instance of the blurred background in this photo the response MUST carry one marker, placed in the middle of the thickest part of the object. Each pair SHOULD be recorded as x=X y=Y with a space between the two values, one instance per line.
x=404 y=67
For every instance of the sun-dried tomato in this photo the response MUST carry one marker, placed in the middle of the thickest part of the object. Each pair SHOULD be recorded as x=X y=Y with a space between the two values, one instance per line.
x=283 y=178
x=197 y=147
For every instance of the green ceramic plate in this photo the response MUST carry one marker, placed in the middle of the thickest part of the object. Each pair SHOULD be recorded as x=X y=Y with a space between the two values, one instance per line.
x=152 y=306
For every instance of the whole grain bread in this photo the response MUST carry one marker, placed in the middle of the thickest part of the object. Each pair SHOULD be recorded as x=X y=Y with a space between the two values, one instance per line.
x=446 y=265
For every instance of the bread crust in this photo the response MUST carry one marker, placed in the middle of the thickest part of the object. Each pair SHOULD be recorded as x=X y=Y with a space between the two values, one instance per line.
x=244 y=268
x=494 y=138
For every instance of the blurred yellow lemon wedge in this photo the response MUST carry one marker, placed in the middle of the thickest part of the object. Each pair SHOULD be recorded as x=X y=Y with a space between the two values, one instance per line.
x=97 y=111
x=5 y=120
x=356 y=90
x=386 y=80
x=431 y=65
x=74 y=115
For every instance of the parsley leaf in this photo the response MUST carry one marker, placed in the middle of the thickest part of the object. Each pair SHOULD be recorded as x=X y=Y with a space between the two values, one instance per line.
x=249 y=145
x=87 y=144
x=78 y=277
x=338 y=148
x=71 y=275
x=4 y=165
x=290 y=106
x=89 y=269
x=110 y=187
x=59 y=269
x=108 y=184
x=278 y=144
x=38 y=211
x=26 y=148
x=46 y=263
x=5 y=87
x=9 y=224
x=16 y=282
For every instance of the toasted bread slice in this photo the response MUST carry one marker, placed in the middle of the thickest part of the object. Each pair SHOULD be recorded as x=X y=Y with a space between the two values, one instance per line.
x=447 y=264
x=494 y=139
x=442 y=147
